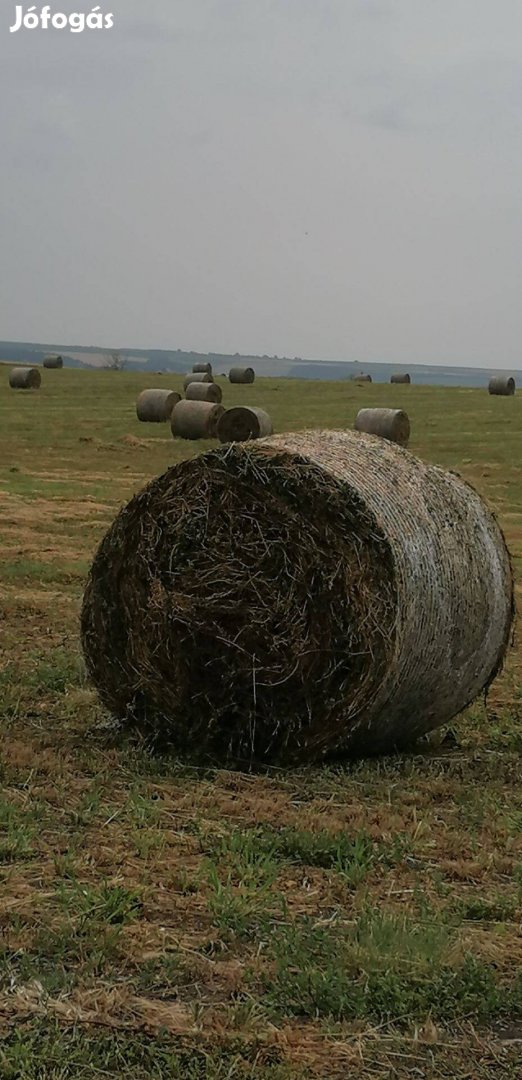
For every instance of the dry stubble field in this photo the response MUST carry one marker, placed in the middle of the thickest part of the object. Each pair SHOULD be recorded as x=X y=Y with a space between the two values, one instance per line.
x=160 y=920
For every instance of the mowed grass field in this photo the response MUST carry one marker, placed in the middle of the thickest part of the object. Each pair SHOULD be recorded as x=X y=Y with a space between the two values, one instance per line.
x=158 y=920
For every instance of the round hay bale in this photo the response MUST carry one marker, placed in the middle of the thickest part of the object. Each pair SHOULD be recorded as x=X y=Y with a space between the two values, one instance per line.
x=392 y=424
x=196 y=419
x=155 y=406
x=500 y=384
x=303 y=596
x=361 y=378
x=401 y=378
x=241 y=375
x=197 y=377
x=25 y=378
x=204 y=392
x=202 y=369
x=244 y=423
x=51 y=362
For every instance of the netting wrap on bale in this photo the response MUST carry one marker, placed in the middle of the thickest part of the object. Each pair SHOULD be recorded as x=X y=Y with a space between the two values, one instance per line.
x=204 y=392
x=243 y=423
x=25 y=378
x=155 y=406
x=392 y=424
x=196 y=419
x=502 y=385
x=303 y=596
x=241 y=375
x=197 y=377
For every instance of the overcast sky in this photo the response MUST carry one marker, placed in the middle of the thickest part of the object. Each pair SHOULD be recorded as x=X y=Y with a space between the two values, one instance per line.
x=337 y=179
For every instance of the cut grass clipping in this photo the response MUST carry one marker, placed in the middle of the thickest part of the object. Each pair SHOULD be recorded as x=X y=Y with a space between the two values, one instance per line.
x=312 y=594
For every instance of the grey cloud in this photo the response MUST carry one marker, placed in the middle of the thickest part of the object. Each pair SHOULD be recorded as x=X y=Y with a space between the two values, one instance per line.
x=335 y=178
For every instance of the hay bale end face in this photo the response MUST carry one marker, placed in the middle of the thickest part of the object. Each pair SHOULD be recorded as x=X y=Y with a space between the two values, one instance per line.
x=196 y=420
x=401 y=378
x=392 y=424
x=362 y=378
x=53 y=362
x=155 y=406
x=501 y=385
x=265 y=601
x=202 y=369
x=25 y=378
x=197 y=377
x=241 y=375
x=244 y=423
x=204 y=392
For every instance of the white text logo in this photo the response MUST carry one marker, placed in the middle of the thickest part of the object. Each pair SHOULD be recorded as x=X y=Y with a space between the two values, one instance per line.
x=45 y=19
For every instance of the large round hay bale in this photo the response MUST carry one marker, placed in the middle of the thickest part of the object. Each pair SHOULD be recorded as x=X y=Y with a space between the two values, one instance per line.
x=362 y=378
x=241 y=375
x=202 y=369
x=305 y=595
x=501 y=384
x=196 y=419
x=401 y=377
x=204 y=392
x=197 y=377
x=25 y=378
x=392 y=424
x=155 y=406
x=243 y=423
x=52 y=361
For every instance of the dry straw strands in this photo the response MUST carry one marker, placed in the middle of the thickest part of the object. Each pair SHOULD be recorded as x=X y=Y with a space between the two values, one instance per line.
x=302 y=596
x=401 y=377
x=197 y=377
x=155 y=406
x=243 y=423
x=500 y=384
x=241 y=375
x=25 y=378
x=361 y=378
x=204 y=392
x=52 y=361
x=392 y=424
x=196 y=419
x=202 y=369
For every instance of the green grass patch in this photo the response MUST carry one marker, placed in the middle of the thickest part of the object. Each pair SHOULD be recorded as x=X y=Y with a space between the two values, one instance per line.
x=45 y=1051
x=383 y=968
x=352 y=857
x=59 y=572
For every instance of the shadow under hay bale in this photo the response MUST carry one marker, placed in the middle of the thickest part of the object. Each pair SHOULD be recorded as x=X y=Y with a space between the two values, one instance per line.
x=204 y=392
x=196 y=419
x=502 y=386
x=53 y=362
x=362 y=378
x=241 y=375
x=392 y=424
x=243 y=423
x=25 y=378
x=310 y=595
x=155 y=406
x=197 y=377
x=401 y=378
x=202 y=369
